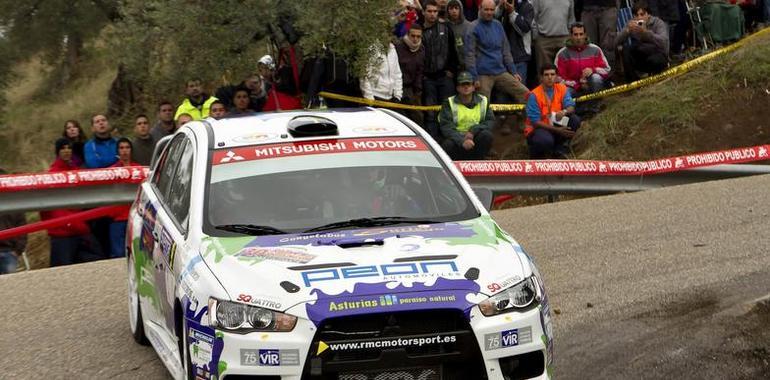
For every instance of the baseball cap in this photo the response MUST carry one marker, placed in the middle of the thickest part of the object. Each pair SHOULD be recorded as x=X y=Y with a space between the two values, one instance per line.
x=464 y=77
x=267 y=61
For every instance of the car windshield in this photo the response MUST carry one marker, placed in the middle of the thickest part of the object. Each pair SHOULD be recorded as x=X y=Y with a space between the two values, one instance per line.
x=296 y=187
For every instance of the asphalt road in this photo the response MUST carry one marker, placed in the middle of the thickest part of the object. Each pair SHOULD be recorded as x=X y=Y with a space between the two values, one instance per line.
x=670 y=283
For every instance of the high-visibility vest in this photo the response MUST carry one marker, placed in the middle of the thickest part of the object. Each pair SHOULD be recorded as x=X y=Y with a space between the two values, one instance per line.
x=197 y=114
x=546 y=106
x=465 y=118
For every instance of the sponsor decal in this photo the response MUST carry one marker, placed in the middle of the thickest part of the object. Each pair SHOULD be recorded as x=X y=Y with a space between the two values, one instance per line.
x=380 y=344
x=294 y=255
x=260 y=152
x=373 y=130
x=390 y=272
x=204 y=345
x=442 y=230
x=253 y=138
x=269 y=357
x=507 y=338
x=147 y=243
x=384 y=301
x=166 y=245
x=442 y=293
x=504 y=284
x=259 y=301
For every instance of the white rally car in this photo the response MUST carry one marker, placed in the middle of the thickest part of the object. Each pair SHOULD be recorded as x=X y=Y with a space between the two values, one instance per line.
x=339 y=244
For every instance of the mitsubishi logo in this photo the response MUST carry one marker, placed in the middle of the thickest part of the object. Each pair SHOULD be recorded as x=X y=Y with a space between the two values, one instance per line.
x=231 y=156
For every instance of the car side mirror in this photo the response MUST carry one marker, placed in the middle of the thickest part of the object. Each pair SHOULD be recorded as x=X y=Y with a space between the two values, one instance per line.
x=485 y=196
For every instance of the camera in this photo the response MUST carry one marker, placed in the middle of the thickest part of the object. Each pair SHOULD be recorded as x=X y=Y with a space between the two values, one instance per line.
x=640 y=22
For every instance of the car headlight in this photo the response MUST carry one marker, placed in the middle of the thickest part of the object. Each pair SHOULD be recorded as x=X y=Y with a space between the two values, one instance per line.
x=519 y=296
x=237 y=316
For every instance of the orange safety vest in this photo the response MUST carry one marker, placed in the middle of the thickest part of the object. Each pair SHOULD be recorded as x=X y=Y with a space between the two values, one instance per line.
x=546 y=106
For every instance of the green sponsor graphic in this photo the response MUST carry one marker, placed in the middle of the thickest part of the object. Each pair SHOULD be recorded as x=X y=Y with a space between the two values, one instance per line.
x=143 y=264
x=222 y=367
x=485 y=233
x=219 y=247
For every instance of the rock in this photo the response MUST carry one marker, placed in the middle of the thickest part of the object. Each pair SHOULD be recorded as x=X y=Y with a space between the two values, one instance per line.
x=589 y=305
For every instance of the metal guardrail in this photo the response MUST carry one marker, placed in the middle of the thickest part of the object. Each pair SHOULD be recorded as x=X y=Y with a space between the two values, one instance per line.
x=101 y=195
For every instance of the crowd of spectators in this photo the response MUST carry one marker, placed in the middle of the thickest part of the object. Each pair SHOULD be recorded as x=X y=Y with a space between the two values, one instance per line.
x=459 y=54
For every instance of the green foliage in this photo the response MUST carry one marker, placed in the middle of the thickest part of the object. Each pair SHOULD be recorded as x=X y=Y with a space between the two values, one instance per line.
x=52 y=27
x=162 y=43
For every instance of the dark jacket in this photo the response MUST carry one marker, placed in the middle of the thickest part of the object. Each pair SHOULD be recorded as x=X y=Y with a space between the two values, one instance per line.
x=411 y=65
x=7 y=221
x=440 y=54
x=142 y=149
x=459 y=28
x=667 y=10
x=449 y=128
x=158 y=131
x=518 y=29
x=602 y=3
x=654 y=39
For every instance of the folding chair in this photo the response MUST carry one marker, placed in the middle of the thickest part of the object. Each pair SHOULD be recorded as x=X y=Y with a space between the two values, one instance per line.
x=700 y=32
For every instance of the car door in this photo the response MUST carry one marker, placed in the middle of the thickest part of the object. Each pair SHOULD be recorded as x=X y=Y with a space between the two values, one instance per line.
x=175 y=219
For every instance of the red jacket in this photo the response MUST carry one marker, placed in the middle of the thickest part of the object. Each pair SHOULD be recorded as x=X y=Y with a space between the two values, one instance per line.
x=122 y=214
x=61 y=166
x=571 y=60
x=279 y=101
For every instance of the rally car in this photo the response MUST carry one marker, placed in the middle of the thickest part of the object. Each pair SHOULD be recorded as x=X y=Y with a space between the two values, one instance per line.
x=337 y=244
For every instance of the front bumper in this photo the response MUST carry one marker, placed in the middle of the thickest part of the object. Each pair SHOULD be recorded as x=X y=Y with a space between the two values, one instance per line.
x=427 y=345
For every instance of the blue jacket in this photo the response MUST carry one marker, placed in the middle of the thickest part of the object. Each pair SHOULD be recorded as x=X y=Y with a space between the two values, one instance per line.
x=100 y=153
x=487 y=51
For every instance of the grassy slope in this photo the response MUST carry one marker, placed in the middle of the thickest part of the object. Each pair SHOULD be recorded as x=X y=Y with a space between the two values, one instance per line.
x=722 y=104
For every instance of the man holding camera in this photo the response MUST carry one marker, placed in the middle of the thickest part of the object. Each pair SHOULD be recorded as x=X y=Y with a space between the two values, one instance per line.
x=551 y=121
x=645 y=43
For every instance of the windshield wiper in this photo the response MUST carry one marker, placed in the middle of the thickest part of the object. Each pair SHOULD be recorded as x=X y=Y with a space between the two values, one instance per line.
x=371 y=222
x=251 y=229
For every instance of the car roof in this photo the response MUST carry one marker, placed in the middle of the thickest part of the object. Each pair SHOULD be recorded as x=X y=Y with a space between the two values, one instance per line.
x=271 y=128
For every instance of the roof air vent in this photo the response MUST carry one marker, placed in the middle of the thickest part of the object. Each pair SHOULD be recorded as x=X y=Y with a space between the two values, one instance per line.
x=312 y=126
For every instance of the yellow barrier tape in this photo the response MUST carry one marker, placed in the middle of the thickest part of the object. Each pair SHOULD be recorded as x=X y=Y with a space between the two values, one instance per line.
x=672 y=72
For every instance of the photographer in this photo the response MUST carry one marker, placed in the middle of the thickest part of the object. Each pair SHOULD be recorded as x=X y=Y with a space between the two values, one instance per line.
x=647 y=51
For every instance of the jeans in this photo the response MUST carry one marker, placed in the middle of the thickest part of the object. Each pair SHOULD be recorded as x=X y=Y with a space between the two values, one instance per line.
x=543 y=143
x=521 y=69
x=434 y=92
x=642 y=59
x=601 y=27
x=74 y=249
x=118 y=239
x=9 y=262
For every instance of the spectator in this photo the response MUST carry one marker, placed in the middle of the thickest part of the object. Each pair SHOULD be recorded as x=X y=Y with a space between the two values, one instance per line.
x=442 y=10
x=517 y=17
x=471 y=9
x=197 y=102
x=144 y=143
x=767 y=12
x=552 y=21
x=406 y=17
x=546 y=108
x=11 y=248
x=648 y=49
x=183 y=119
x=411 y=58
x=668 y=11
x=581 y=64
x=600 y=18
x=74 y=132
x=100 y=150
x=241 y=102
x=266 y=69
x=459 y=25
x=256 y=89
x=488 y=56
x=118 y=225
x=466 y=122
x=71 y=243
x=218 y=110
x=441 y=63
x=165 y=125
x=383 y=82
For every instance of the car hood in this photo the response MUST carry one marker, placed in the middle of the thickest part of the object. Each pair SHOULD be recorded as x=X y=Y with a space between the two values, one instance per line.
x=444 y=265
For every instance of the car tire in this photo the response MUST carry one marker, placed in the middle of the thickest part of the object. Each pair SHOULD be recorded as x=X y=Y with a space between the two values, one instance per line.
x=135 y=318
x=184 y=351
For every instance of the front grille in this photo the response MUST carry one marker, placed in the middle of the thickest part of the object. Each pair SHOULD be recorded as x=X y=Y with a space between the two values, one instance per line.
x=434 y=344
x=425 y=373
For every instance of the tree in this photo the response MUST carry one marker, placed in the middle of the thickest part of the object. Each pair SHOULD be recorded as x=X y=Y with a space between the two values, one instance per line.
x=163 y=43
x=57 y=29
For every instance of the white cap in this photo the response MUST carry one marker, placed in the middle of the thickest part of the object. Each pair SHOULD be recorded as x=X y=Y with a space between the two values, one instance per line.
x=267 y=61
